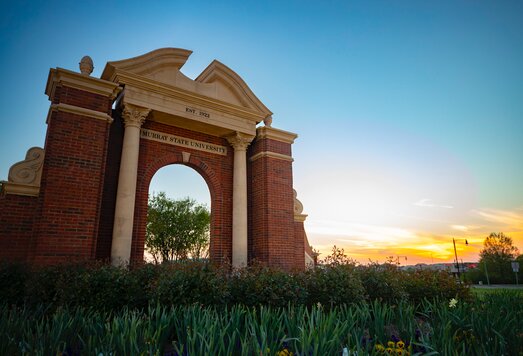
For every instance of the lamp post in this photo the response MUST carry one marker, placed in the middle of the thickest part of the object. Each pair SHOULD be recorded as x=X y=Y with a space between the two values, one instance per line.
x=456 y=254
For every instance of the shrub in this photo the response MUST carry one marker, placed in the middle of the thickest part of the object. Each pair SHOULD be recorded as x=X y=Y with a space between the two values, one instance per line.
x=383 y=282
x=427 y=284
x=104 y=287
x=189 y=282
x=259 y=285
x=333 y=285
x=12 y=282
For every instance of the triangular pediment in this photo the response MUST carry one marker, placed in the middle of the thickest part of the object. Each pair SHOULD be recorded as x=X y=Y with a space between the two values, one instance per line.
x=163 y=65
x=230 y=87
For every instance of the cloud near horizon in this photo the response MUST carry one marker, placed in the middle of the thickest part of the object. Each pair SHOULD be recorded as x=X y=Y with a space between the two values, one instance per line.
x=427 y=203
x=367 y=242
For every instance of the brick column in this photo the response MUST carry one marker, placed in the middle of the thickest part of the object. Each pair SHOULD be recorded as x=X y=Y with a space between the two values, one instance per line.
x=68 y=207
x=239 y=199
x=272 y=199
x=133 y=117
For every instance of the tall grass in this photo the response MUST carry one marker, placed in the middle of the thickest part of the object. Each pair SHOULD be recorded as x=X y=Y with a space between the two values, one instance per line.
x=491 y=326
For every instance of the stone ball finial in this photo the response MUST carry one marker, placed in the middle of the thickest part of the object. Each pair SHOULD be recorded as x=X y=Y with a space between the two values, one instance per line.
x=268 y=121
x=86 y=65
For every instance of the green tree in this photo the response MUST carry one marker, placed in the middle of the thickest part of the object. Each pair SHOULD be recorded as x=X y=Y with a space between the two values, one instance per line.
x=497 y=253
x=176 y=229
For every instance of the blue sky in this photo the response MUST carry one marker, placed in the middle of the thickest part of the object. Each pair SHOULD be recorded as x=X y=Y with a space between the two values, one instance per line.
x=409 y=113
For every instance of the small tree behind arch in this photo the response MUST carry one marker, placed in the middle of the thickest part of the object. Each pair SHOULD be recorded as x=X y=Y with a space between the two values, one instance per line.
x=176 y=229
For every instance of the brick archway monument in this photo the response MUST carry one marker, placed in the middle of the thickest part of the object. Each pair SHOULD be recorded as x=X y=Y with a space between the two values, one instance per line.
x=87 y=198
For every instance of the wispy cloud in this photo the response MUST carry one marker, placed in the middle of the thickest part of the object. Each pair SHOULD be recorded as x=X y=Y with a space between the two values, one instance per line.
x=502 y=218
x=375 y=242
x=428 y=203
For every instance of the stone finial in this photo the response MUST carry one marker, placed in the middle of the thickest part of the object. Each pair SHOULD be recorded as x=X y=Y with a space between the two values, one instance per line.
x=86 y=65
x=298 y=206
x=268 y=121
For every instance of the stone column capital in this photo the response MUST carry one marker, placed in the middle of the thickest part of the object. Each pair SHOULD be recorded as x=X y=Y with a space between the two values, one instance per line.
x=239 y=141
x=134 y=115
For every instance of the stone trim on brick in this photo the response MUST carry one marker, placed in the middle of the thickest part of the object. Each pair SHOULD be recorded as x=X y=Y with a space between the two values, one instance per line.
x=271 y=155
x=275 y=134
x=63 y=77
x=78 y=111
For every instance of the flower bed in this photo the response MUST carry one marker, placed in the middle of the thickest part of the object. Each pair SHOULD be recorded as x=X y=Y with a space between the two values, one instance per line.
x=489 y=326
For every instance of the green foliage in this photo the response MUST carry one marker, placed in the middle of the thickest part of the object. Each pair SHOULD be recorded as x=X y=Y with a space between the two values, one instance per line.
x=176 y=228
x=190 y=282
x=250 y=286
x=497 y=254
x=333 y=285
x=13 y=278
x=384 y=282
x=427 y=284
x=105 y=287
x=488 y=326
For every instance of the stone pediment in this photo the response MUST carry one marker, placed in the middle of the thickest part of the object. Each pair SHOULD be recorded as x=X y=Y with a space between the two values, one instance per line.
x=162 y=66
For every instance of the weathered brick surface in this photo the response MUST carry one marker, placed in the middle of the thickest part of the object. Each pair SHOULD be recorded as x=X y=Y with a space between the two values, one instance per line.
x=16 y=226
x=271 y=207
x=72 y=218
x=268 y=145
x=83 y=99
x=215 y=169
x=72 y=181
x=112 y=169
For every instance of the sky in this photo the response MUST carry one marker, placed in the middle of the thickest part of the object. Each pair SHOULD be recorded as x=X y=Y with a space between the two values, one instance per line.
x=409 y=113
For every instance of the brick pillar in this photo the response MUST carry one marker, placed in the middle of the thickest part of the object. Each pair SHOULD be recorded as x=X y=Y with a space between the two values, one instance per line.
x=271 y=199
x=74 y=164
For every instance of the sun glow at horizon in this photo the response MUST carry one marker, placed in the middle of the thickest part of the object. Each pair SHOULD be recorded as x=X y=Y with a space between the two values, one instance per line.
x=369 y=243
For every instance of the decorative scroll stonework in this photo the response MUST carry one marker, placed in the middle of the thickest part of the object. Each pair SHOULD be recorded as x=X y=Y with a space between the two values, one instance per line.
x=298 y=208
x=134 y=115
x=24 y=177
x=268 y=121
x=239 y=141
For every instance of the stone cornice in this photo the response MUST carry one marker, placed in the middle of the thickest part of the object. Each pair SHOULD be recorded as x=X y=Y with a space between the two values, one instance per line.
x=300 y=217
x=271 y=155
x=63 y=77
x=78 y=111
x=20 y=189
x=131 y=80
x=275 y=134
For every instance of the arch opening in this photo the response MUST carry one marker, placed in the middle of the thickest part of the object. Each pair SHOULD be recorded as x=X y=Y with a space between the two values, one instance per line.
x=179 y=215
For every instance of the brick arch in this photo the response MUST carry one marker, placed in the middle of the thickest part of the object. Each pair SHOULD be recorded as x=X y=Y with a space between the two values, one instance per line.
x=219 y=239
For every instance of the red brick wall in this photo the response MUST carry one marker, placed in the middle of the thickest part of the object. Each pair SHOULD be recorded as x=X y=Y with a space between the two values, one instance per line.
x=16 y=226
x=215 y=169
x=271 y=207
x=72 y=180
x=112 y=169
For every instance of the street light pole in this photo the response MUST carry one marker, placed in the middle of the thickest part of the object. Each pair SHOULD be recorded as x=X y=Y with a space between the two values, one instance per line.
x=456 y=254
